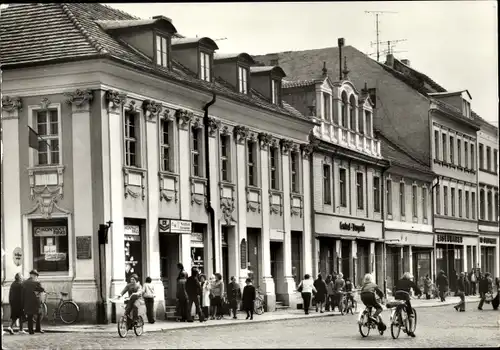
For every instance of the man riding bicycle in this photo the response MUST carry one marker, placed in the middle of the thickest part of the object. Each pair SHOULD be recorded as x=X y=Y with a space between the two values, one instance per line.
x=134 y=291
x=402 y=292
x=368 y=292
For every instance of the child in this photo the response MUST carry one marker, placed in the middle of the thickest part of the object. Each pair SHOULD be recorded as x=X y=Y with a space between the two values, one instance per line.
x=149 y=295
x=368 y=292
x=348 y=289
x=248 y=298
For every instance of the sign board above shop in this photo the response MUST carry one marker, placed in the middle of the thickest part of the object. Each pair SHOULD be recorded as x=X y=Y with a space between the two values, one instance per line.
x=49 y=231
x=446 y=238
x=174 y=226
x=352 y=227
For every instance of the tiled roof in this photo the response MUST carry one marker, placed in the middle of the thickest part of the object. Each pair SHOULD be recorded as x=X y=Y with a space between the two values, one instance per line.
x=457 y=113
x=51 y=32
x=180 y=41
x=115 y=24
x=259 y=69
x=392 y=152
x=299 y=83
x=225 y=56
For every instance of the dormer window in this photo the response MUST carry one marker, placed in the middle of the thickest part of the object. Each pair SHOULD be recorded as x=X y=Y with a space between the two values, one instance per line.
x=243 y=80
x=161 y=51
x=466 y=108
x=205 y=66
x=275 y=91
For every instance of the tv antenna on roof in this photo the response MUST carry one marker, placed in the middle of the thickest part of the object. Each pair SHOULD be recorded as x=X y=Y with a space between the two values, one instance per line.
x=377 y=13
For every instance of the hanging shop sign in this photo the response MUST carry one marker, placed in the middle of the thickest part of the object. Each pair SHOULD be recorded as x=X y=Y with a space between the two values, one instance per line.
x=486 y=240
x=174 y=226
x=17 y=256
x=243 y=253
x=440 y=238
x=352 y=227
x=49 y=231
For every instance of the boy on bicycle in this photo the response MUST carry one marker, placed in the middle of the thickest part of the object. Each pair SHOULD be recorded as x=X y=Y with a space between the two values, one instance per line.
x=402 y=292
x=134 y=291
x=368 y=292
x=348 y=290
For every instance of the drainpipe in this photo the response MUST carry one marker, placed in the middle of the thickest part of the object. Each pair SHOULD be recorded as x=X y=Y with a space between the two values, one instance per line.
x=210 y=209
x=382 y=213
x=433 y=228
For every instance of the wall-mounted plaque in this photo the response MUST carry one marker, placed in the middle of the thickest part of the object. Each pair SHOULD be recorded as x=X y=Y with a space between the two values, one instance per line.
x=84 y=247
x=243 y=254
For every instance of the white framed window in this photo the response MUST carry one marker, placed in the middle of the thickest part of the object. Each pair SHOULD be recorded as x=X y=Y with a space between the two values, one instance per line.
x=490 y=206
x=274 y=168
x=453 y=212
x=496 y=208
x=445 y=199
x=243 y=80
x=460 y=205
x=388 y=194
x=424 y=202
x=205 y=69
x=466 y=154
x=196 y=152
x=326 y=107
x=48 y=126
x=161 y=50
x=414 y=200
x=50 y=245
x=402 y=199
x=343 y=187
x=252 y=163
x=295 y=172
x=344 y=109
x=459 y=152
x=436 y=145
x=439 y=253
x=275 y=91
x=445 y=147
x=473 y=202
x=482 y=205
x=327 y=184
x=457 y=253
x=481 y=156
x=438 y=199
x=225 y=157
x=376 y=194
x=352 y=113
x=452 y=150
x=167 y=145
x=360 y=190
x=472 y=158
x=467 y=204
x=132 y=137
x=488 y=158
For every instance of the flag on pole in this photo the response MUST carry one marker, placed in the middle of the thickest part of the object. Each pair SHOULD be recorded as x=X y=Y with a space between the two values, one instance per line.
x=34 y=138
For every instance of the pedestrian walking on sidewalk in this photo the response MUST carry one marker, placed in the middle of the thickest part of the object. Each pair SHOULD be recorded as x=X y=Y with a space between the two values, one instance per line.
x=31 y=301
x=205 y=296
x=218 y=292
x=329 y=296
x=194 y=293
x=496 y=299
x=442 y=284
x=182 y=297
x=338 y=288
x=427 y=287
x=461 y=292
x=248 y=298
x=485 y=290
x=306 y=288
x=473 y=281
x=234 y=295
x=149 y=299
x=321 y=293
x=16 y=303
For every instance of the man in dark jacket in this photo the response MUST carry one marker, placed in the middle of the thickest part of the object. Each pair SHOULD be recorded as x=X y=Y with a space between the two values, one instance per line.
x=485 y=286
x=234 y=295
x=31 y=301
x=461 y=285
x=194 y=292
x=442 y=283
x=16 y=303
x=402 y=292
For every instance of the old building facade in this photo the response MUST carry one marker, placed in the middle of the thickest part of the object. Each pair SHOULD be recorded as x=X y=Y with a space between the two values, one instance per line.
x=182 y=149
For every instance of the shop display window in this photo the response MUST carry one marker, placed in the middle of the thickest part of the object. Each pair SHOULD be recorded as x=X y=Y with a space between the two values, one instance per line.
x=50 y=245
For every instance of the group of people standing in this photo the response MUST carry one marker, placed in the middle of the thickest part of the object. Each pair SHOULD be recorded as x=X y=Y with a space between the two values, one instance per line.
x=25 y=303
x=209 y=297
x=324 y=293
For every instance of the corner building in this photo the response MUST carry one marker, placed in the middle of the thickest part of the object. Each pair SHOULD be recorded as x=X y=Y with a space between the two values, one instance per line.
x=128 y=141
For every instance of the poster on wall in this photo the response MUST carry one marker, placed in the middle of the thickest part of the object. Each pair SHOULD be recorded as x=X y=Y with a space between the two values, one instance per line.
x=55 y=256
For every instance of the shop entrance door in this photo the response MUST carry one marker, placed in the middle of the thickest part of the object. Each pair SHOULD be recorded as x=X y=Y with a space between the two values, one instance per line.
x=169 y=257
x=346 y=259
x=253 y=236
x=277 y=261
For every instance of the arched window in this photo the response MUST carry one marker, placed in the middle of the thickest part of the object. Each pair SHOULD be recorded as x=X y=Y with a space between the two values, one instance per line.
x=352 y=112
x=344 y=106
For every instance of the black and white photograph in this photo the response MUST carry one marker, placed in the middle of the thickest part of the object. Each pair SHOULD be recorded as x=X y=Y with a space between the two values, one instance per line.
x=222 y=175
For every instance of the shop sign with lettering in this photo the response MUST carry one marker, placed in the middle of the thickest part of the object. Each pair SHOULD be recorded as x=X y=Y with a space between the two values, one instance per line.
x=174 y=226
x=49 y=231
x=352 y=227
x=486 y=240
x=449 y=239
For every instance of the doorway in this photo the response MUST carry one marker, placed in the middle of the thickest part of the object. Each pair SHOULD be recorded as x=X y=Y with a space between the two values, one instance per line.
x=253 y=236
x=133 y=232
x=276 y=261
x=297 y=266
x=169 y=257
x=346 y=259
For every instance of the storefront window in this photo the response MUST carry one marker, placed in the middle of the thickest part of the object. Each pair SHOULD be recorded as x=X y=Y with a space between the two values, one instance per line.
x=50 y=245
x=197 y=247
x=133 y=251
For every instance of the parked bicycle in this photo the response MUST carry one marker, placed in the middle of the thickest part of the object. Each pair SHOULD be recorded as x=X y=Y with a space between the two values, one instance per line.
x=400 y=318
x=366 y=324
x=67 y=310
x=259 y=304
x=125 y=324
x=347 y=303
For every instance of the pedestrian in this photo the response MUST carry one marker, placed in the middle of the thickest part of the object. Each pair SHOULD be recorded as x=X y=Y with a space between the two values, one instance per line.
x=306 y=288
x=348 y=290
x=338 y=289
x=467 y=284
x=461 y=292
x=427 y=287
x=134 y=291
x=453 y=282
x=149 y=299
x=485 y=290
x=205 y=296
x=16 y=303
x=234 y=294
x=329 y=296
x=182 y=297
x=321 y=293
x=182 y=272
x=496 y=299
x=194 y=292
x=218 y=292
x=442 y=284
x=473 y=281
x=211 y=296
x=369 y=293
x=248 y=298
x=31 y=301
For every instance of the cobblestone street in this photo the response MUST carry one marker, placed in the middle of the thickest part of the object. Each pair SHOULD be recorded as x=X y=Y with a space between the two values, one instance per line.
x=437 y=327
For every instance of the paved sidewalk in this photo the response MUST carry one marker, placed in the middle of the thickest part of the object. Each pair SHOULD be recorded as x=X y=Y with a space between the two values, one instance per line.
x=160 y=326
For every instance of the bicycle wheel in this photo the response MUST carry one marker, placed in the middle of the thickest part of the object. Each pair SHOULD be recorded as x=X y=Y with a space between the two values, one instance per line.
x=354 y=307
x=414 y=320
x=395 y=325
x=43 y=311
x=139 y=326
x=364 y=327
x=68 y=312
x=122 y=327
x=258 y=307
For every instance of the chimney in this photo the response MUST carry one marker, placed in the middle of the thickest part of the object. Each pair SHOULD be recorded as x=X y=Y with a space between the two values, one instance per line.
x=373 y=95
x=324 y=70
x=406 y=62
x=389 y=60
